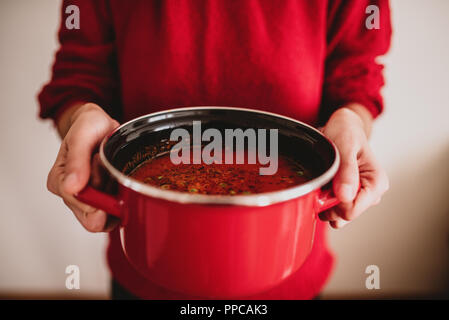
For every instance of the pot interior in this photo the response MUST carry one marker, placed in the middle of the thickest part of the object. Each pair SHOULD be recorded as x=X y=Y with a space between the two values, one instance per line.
x=149 y=136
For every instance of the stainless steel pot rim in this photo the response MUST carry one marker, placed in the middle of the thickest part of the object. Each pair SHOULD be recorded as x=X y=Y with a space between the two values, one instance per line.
x=258 y=200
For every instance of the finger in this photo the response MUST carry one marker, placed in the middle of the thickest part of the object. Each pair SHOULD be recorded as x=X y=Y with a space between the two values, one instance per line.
x=329 y=215
x=368 y=197
x=97 y=175
x=58 y=170
x=80 y=215
x=69 y=199
x=93 y=222
x=373 y=187
x=364 y=200
x=81 y=142
x=346 y=181
x=96 y=221
x=338 y=224
x=54 y=183
x=56 y=178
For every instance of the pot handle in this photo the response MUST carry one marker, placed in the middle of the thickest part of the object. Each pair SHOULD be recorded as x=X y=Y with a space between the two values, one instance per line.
x=326 y=199
x=100 y=200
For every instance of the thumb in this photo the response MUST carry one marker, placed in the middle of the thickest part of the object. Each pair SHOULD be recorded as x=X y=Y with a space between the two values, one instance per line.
x=82 y=139
x=346 y=181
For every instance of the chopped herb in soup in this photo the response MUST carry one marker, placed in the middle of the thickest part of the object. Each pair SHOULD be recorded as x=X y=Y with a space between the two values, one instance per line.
x=219 y=179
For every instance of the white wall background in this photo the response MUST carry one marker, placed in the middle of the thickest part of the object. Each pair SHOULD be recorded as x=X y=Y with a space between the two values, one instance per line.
x=39 y=237
x=407 y=235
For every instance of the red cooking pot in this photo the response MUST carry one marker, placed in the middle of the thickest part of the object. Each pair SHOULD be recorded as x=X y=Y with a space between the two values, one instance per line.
x=214 y=246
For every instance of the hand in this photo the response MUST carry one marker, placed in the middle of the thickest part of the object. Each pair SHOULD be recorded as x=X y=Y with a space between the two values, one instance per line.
x=87 y=126
x=358 y=164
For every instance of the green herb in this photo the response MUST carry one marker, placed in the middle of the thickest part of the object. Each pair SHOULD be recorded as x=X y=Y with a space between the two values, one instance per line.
x=231 y=192
x=148 y=180
x=193 y=190
x=300 y=172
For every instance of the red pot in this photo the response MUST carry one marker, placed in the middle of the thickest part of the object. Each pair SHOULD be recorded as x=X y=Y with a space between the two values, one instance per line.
x=207 y=245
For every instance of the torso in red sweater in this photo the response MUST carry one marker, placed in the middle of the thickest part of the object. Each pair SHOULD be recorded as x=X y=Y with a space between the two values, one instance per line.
x=298 y=58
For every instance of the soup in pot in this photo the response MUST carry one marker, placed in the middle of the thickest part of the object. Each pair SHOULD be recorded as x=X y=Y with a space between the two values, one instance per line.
x=219 y=179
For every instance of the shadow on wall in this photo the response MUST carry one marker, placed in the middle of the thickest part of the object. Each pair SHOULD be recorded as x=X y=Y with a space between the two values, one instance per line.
x=422 y=204
x=406 y=235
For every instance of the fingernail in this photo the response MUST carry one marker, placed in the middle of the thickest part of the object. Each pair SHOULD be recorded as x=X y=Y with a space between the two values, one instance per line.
x=347 y=192
x=341 y=223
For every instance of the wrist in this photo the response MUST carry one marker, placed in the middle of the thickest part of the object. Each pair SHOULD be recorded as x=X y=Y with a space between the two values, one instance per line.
x=362 y=114
x=69 y=116
x=365 y=117
x=64 y=120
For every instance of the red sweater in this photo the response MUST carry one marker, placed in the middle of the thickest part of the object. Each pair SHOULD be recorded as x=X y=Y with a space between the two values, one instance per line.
x=298 y=58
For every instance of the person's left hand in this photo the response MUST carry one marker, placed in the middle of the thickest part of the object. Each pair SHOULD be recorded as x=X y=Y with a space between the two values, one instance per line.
x=358 y=165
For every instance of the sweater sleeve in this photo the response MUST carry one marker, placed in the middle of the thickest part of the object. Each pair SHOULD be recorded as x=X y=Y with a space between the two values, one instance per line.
x=85 y=66
x=352 y=73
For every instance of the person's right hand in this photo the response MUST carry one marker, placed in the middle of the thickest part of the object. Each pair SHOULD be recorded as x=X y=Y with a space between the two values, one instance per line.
x=71 y=172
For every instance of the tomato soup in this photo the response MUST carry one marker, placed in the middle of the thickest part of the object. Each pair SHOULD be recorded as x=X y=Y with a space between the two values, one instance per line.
x=219 y=179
